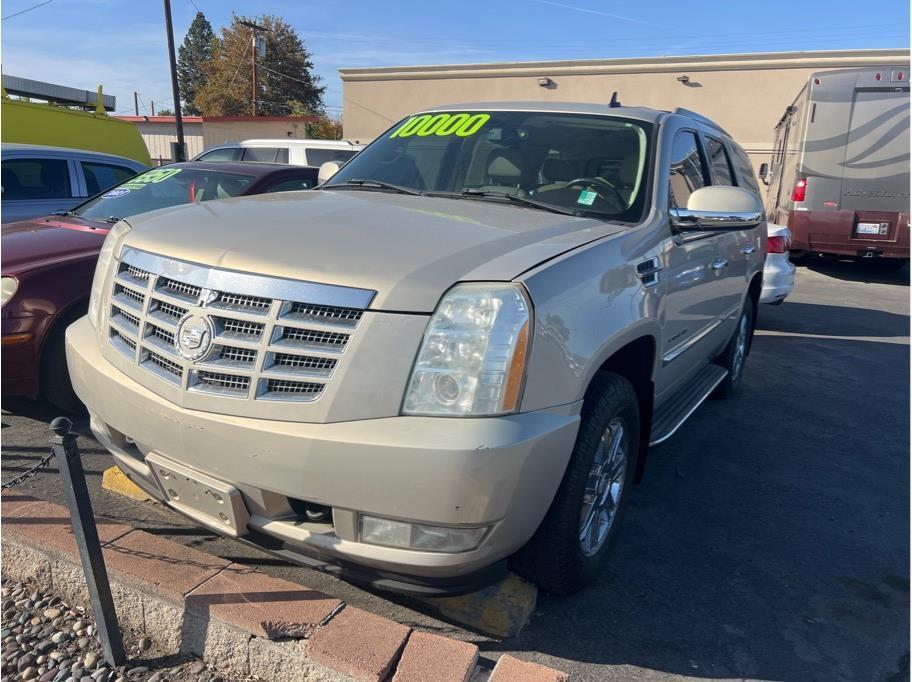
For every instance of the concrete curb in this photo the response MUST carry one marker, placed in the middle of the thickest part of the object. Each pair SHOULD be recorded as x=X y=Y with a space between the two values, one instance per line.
x=244 y=621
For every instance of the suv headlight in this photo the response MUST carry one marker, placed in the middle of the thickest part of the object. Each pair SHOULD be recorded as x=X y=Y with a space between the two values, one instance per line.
x=8 y=289
x=111 y=246
x=472 y=361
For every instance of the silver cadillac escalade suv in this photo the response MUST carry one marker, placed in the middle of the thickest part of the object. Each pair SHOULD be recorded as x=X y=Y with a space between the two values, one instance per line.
x=452 y=355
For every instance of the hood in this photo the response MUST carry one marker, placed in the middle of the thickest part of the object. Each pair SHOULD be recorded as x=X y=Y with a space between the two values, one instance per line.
x=408 y=249
x=40 y=242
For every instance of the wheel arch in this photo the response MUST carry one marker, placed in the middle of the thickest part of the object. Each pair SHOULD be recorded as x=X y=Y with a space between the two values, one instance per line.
x=636 y=362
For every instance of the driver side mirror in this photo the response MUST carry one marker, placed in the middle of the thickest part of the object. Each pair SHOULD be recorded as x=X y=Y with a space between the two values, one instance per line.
x=327 y=170
x=764 y=172
x=718 y=208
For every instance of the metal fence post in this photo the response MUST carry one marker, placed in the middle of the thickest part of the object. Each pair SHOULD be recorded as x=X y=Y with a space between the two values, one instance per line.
x=86 y=532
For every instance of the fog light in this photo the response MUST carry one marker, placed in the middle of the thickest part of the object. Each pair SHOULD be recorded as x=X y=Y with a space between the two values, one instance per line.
x=391 y=533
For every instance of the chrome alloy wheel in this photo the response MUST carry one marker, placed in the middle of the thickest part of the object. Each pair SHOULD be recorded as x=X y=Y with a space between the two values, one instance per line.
x=740 y=347
x=602 y=498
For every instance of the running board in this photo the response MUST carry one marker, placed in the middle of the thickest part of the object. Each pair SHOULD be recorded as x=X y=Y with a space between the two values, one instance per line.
x=675 y=411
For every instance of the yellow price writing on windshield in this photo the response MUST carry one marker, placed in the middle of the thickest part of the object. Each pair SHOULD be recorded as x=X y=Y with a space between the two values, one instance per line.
x=152 y=176
x=442 y=125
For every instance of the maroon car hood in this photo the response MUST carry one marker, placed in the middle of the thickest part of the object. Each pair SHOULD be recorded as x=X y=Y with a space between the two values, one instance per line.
x=32 y=244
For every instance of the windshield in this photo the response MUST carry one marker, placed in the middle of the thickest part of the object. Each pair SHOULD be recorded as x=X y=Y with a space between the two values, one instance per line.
x=579 y=164
x=160 y=188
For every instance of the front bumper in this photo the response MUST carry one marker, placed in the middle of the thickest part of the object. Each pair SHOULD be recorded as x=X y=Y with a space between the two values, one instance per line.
x=501 y=472
x=22 y=340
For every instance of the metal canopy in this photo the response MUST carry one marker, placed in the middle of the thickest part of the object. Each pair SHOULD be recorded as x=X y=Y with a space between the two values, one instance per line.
x=60 y=94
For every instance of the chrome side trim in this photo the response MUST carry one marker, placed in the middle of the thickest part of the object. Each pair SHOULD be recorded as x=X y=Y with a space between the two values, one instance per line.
x=248 y=284
x=687 y=343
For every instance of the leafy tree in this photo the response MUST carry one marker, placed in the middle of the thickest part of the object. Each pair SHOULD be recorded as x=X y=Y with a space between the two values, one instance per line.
x=192 y=56
x=285 y=81
x=165 y=112
x=325 y=129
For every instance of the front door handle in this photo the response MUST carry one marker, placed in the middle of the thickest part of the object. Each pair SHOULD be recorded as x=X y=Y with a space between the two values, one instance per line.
x=748 y=250
x=719 y=264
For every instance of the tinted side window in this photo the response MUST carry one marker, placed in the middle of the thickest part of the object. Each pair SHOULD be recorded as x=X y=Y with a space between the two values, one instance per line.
x=317 y=157
x=100 y=176
x=223 y=154
x=36 y=179
x=744 y=169
x=282 y=156
x=718 y=160
x=688 y=172
x=262 y=154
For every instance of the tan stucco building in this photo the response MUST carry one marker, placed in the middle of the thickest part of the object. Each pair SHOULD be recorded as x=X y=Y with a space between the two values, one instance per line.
x=745 y=93
x=202 y=132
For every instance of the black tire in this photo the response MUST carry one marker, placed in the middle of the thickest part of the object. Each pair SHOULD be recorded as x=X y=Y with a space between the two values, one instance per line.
x=731 y=385
x=554 y=558
x=54 y=379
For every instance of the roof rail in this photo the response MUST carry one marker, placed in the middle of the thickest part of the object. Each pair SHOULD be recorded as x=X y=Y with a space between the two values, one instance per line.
x=699 y=117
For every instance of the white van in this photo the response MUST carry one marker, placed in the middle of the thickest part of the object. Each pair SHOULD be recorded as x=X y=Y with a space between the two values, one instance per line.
x=291 y=151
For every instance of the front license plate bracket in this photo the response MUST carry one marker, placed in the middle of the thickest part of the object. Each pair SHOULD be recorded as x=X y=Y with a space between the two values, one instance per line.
x=210 y=502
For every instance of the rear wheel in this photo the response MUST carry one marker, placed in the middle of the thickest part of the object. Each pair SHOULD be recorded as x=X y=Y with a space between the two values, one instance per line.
x=735 y=355
x=572 y=544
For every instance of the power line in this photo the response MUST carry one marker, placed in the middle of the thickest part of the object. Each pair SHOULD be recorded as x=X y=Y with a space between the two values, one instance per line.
x=195 y=7
x=238 y=69
x=266 y=68
x=27 y=9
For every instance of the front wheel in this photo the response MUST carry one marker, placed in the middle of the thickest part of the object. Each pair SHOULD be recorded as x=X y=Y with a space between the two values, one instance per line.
x=735 y=355
x=571 y=546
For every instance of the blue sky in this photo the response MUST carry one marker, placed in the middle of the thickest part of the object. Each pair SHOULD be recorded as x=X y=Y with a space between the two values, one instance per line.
x=121 y=43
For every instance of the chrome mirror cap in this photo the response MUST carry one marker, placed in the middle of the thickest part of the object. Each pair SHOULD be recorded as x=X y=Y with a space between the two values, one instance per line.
x=718 y=208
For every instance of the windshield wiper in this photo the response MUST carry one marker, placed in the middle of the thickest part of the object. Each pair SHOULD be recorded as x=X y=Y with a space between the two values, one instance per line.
x=112 y=219
x=374 y=184
x=526 y=202
x=63 y=214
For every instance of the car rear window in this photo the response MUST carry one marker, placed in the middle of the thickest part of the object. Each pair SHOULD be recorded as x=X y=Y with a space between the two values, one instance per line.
x=264 y=154
x=36 y=179
x=100 y=176
x=317 y=157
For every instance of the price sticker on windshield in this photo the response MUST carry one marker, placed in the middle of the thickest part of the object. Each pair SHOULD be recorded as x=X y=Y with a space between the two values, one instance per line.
x=151 y=177
x=442 y=125
x=586 y=197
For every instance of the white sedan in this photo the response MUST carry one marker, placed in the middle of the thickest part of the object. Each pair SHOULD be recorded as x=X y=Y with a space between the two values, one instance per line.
x=778 y=271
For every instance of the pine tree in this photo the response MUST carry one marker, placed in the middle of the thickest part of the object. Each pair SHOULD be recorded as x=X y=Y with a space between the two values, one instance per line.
x=286 y=84
x=192 y=57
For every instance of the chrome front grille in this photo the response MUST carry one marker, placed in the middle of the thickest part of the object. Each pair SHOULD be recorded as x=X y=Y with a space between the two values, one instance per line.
x=281 y=346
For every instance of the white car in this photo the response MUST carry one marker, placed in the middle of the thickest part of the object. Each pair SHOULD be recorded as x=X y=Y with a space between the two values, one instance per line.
x=778 y=270
x=292 y=151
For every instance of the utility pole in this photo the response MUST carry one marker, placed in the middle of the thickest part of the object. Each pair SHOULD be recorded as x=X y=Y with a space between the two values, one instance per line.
x=152 y=106
x=136 y=102
x=180 y=150
x=253 y=53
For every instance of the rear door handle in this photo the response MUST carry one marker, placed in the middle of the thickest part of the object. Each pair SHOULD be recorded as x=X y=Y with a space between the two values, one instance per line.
x=748 y=250
x=719 y=264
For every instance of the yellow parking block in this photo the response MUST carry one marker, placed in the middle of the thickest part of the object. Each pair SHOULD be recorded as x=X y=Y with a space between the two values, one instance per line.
x=116 y=481
x=501 y=609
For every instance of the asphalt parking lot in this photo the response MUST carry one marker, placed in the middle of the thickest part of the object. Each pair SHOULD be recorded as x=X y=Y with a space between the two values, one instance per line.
x=769 y=539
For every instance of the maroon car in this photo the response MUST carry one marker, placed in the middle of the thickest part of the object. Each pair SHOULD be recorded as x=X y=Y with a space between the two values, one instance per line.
x=48 y=263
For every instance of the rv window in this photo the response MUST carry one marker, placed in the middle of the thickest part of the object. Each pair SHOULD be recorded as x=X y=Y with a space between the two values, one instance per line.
x=718 y=161
x=688 y=172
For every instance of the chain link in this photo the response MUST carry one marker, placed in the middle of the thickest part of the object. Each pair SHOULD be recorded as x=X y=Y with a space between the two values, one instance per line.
x=31 y=472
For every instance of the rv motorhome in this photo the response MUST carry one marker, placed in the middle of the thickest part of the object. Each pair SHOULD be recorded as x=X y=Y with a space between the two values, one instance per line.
x=839 y=176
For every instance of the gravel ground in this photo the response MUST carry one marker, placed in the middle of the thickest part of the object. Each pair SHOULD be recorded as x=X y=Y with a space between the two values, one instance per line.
x=47 y=640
